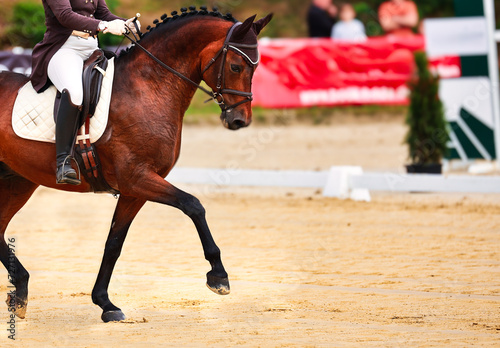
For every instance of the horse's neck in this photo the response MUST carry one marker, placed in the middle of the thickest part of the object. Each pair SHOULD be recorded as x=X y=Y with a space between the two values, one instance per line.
x=181 y=50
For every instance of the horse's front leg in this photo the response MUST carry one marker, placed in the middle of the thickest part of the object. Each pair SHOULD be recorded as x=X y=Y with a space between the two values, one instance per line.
x=217 y=279
x=14 y=193
x=125 y=212
x=156 y=189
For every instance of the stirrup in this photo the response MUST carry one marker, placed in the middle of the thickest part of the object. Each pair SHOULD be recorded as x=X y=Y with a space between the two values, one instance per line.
x=67 y=180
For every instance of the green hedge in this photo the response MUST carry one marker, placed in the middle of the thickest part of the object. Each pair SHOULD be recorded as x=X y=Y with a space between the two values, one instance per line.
x=427 y=128
x=27 y=24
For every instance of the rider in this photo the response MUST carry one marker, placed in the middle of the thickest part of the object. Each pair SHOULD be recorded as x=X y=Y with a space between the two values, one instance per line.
x=71 y=37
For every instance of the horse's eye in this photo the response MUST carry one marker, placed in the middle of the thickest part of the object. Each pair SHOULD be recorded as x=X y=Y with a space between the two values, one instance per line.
x=235 y=68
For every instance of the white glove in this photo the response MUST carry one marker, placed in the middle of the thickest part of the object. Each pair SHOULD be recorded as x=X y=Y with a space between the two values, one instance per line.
x=129 y=24
x=115 y=27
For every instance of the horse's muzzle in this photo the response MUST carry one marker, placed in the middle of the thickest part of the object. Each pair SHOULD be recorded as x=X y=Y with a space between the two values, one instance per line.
x=235 y=120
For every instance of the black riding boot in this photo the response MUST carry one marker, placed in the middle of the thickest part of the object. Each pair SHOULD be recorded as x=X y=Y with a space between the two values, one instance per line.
x=66 y=127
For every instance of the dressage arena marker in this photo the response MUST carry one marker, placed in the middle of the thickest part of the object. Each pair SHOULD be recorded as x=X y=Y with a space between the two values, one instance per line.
x=341 y=182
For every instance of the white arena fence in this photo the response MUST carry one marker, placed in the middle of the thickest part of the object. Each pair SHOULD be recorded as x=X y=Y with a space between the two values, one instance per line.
x=341 y=182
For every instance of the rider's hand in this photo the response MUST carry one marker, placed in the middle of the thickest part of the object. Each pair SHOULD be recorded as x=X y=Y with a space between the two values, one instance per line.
x=115 y=27
x=129 y=24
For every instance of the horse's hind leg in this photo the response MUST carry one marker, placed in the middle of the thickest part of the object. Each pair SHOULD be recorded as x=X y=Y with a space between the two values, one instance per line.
x=125 y=212
x=14 y=192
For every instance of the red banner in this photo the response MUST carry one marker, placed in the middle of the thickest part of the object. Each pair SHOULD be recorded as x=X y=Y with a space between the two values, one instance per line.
x=321 y=72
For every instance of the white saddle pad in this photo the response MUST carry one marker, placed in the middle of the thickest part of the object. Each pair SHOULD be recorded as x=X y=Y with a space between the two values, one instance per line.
x=33 y=113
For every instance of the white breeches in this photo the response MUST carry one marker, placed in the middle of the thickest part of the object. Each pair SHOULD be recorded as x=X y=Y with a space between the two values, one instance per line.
x=66 y=66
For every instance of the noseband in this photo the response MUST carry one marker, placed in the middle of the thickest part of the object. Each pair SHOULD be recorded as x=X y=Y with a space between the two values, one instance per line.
x=216 y=95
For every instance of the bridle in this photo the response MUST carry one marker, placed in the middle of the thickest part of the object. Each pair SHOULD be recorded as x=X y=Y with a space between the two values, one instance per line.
x=216 y=95
x=220 y=77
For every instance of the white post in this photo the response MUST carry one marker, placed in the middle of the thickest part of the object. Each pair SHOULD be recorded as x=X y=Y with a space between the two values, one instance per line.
x=489 y=12
x=339 y=184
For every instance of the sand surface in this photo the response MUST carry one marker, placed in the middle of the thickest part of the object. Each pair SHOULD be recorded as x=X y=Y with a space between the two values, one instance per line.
x=372 y=145
x=406 y=270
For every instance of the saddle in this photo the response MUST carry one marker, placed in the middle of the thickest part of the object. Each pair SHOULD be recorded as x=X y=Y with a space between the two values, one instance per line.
x=94 y=70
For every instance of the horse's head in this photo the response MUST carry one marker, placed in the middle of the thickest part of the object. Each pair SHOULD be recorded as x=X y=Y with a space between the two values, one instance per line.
x=229 y=73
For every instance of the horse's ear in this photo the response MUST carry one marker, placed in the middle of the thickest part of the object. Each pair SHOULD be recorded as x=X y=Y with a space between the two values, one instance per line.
x=244 y=28
x=261 y=23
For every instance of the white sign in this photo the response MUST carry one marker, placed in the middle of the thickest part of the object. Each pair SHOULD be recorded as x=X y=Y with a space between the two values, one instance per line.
x=471 y=93
x=466 y=36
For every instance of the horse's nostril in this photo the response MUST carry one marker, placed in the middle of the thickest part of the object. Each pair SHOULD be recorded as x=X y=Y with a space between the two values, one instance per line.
x=236 y=124
x=240 y=123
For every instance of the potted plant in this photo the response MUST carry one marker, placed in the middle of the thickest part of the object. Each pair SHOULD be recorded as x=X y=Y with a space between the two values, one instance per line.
x=427 y=134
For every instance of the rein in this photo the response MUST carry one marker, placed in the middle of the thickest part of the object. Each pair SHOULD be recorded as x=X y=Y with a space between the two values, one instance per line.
x=217 y=95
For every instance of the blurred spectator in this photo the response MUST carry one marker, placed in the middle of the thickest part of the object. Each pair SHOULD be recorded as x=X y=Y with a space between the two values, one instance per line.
x=398 y=17
x=321 y=18
x=348 y=28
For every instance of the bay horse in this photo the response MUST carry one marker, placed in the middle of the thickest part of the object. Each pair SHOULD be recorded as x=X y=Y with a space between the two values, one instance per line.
x=142 y=141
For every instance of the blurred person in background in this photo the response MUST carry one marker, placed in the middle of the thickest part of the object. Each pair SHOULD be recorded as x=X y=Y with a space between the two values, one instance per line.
x=398 y=17
x=321 y=17
x=348 y=28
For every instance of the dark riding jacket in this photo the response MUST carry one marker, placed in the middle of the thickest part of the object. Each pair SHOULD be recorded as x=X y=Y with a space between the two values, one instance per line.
x=61 y=18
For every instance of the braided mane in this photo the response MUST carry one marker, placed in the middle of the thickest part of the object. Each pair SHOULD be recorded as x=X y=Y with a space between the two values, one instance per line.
x=203 y=11
x=185 y=12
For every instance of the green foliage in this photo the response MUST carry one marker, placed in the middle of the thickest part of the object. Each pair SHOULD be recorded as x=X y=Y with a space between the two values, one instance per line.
x=426 y=8
x=431 y=8
x=367 y=12
x=112 y=5
x=289 y=19
x=106 y=40
x=27 y=24
x=110 y=40
x=427 y=135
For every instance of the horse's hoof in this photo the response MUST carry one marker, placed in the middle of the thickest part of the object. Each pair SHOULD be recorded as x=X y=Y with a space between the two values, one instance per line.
x=112 y=316
x=218 y=285
x=17 y=306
